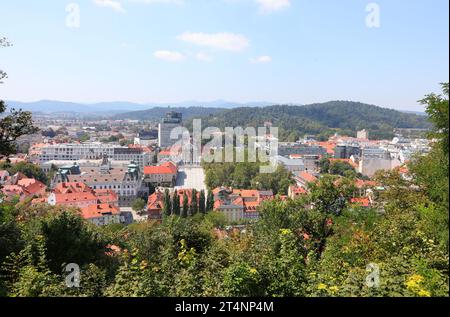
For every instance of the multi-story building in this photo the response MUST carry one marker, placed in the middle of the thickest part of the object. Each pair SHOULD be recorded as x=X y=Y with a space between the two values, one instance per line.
x=363 y=134
x=94 y=151
x=171 y=121
x=374 y=159
x=291 y=164
x=102 y=214
x=286 y=149
x=99 y=207
x=147 y=138
x=345 y=151
x=125 y=182
x=164 y=175
x=303 y=179
x=240 y=204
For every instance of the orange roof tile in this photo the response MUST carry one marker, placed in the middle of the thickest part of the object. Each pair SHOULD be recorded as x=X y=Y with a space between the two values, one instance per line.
x=165 y=168
x=99 y=210
x=307 y=177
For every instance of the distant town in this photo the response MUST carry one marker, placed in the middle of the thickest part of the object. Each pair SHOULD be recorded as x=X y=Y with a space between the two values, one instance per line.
x=103 y=167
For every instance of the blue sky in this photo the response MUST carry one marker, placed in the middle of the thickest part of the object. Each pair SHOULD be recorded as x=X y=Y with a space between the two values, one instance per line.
x=289 y=51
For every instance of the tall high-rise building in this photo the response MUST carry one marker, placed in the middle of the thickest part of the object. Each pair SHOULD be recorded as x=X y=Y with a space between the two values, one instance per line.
x=363 y=134
x=171 y=121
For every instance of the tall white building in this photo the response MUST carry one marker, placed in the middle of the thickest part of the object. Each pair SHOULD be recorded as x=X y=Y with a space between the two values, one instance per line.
x=170 y=122
x=94 y=151
x=363 y=134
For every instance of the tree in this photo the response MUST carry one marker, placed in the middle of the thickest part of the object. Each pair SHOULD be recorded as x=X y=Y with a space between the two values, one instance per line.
x=14 y=125
x=3 y=43
x=202 y=202
x=210 y=201
x=324 y=165
x=167 y=208
x=342 y=169
x=185 y=205
x=28 y=169
x=438 y=113
x=139 y=205
x=176 y=209
x=69 y=239
x=193 y=207
x=330 y=195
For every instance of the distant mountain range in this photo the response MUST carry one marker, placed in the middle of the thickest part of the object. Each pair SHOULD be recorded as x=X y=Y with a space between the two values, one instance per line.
x=111 y=108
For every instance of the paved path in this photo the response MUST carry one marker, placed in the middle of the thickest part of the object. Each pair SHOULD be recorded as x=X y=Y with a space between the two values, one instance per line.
x=136 y=217
x=191 y=177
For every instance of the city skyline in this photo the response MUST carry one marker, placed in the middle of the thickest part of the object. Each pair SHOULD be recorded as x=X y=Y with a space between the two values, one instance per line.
x=278 y=51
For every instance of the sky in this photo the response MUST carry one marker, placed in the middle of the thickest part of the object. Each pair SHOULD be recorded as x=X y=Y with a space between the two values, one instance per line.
x=385 y=52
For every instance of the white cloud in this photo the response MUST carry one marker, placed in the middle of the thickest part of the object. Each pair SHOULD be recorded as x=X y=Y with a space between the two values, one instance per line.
x=269 y=6
x=224 y=41
x=261 y=60
x=115 y=5
x=204 y=57
x=169 y=56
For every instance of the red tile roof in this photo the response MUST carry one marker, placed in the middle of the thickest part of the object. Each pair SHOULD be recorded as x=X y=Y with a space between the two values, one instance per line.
x=362 y=201
x=72 y=187
x=99 y=210
x=307 y=177
x=165 y=168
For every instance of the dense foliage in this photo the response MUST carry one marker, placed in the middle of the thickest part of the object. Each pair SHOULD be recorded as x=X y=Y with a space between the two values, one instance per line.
x=28 y=169
x=246 y=175
x=322 y=119
x=317 y=245
x=14 y=124
x=160 y=112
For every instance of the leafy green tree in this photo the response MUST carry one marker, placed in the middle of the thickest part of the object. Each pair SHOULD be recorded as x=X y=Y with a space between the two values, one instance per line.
x=324 y=165
x=240 y=279
x=28 y=169
x=202 y=202
x=438 y=113
x=342 y=169
x=176 y=208
x=69 y=239
x=33 y=277
x=13 y=126
x=139 y=205
x=329 y=197
x=193 y=207
x=287 y=270
x=167 y=208
x=185 y=205
x=10 y=233
x=210 y=201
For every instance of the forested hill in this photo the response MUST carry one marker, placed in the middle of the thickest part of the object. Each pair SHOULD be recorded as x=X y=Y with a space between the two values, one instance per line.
x=320 y=119
x=159 y=112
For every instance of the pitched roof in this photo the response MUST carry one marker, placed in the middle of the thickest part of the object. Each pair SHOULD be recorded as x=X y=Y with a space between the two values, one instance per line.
x=307 y=177
x=31 y=185
x=71 y=187
x=165 y=168
x=362 y=201
x=74 y=197
x=99 y=210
